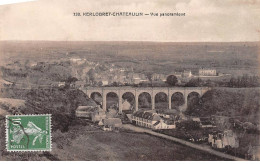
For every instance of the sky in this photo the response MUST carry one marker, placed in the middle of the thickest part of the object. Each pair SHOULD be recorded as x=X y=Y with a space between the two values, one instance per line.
x=205 y=21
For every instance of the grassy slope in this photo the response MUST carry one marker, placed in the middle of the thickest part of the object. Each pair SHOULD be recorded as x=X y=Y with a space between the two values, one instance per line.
x=101 y=145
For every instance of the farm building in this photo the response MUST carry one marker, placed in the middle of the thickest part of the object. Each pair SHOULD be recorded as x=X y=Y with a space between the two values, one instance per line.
x=110 y=124
x=151 y=119
x=206 y=123
x=207 y=72
x=98 y=114
x=85 y=111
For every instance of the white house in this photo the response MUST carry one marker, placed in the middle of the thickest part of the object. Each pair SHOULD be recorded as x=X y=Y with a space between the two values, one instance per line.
x=110 y=123
x=207 y=72
x=226 y=138
x=151 y=119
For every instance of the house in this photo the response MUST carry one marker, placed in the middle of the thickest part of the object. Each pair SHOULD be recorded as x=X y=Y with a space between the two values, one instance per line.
x=85 y=111
x=61 y=84
x=196 y=119
x=207 y=72
x=164 y=115
x=98 y=114
x=104 y=82
x=136 y=80
x=111 y=112
x=206 y=123
x=186 y=73
x=169 y=113
x=223 y=139
x=158 y=77
x=110 y=124
x=220 y=120
x=150 y=119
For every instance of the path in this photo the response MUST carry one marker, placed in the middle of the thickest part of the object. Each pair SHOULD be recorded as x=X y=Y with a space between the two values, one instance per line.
x=186 y=143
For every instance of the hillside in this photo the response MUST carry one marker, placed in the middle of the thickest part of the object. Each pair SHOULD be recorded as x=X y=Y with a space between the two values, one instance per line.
x=242 y=103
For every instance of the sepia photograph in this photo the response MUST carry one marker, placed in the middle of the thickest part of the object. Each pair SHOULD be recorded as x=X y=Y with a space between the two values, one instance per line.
x=132 y=80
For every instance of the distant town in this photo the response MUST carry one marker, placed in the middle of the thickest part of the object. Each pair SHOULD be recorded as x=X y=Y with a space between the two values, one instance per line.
x=88 y=73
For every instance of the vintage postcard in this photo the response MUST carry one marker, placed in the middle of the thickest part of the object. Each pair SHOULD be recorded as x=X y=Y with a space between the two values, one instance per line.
x=131 y=80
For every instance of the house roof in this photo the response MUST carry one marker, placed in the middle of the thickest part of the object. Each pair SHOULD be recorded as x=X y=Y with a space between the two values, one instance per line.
x=129 y=116
x=149 y=115
x=158 y=122
x=196 y=119
x=204 y=119
x=206 y=123
x=85 y=108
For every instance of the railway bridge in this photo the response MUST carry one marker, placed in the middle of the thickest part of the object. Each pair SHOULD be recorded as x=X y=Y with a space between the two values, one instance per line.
x=152 y=91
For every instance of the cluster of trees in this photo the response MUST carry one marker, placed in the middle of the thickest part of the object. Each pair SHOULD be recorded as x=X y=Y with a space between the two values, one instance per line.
x=244 y=81
x=194 y=83
x=227 y=102
x=172 y=80
x=238 y=82
x=12 y=72
x=61 y=103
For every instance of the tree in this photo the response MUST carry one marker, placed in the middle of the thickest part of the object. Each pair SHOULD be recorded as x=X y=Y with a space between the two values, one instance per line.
x=149 y=75
x=194 y=83
x=232 y=82
x=69 y=81
x=91 y=74
x=115 y=84
x=100 y=83
x=172 y=80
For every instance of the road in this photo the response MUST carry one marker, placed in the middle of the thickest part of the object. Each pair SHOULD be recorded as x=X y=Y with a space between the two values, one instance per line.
x=183 y=142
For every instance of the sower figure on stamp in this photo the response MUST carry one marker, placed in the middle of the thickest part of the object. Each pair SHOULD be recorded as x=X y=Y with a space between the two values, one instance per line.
x=31 y=129
x=34 y=130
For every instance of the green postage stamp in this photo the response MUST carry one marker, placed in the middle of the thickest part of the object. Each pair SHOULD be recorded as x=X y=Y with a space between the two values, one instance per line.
x=28 y=132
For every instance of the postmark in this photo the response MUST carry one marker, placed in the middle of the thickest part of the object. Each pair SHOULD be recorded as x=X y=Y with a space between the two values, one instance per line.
x=28 y=132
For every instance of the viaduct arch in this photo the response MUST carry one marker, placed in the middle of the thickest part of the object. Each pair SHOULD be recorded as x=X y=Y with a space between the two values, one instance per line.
x=169 y=91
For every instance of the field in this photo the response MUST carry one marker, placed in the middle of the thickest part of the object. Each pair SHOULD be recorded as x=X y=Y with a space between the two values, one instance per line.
x=9 y=105
x=12 y=102
x=84 y=141
x=233 y=58
x=94 y=144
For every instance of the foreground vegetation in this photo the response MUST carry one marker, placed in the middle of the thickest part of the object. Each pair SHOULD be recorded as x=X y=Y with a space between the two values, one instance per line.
x=240 y=103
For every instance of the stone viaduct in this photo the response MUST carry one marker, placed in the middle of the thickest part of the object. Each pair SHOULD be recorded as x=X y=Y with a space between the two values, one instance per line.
x=152 y=91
